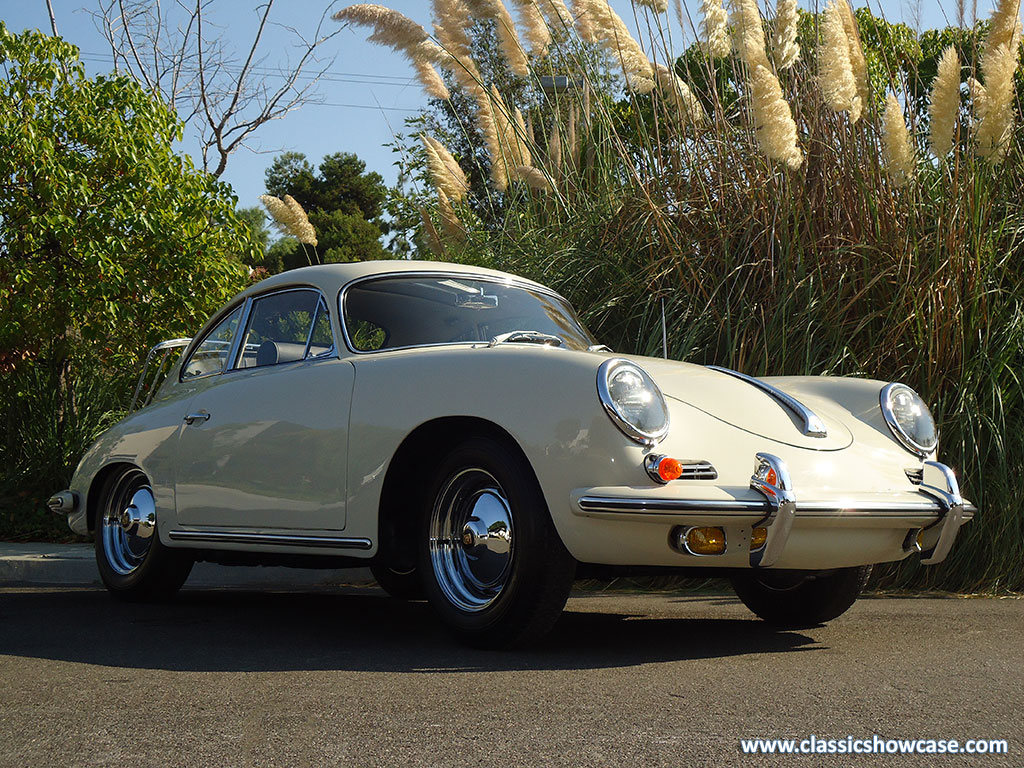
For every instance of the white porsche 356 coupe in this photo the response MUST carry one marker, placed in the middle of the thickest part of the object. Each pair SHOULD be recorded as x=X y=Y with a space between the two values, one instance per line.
x=459 y=431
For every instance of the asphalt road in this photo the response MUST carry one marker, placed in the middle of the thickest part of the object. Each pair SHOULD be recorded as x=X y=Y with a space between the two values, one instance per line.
x=232 y=678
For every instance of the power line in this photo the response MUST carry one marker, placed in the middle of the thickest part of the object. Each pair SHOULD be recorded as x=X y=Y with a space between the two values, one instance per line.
x=337 y=77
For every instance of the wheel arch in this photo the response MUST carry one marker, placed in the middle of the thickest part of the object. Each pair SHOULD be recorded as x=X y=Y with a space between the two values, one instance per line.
x=92 y=498
x=411 y=466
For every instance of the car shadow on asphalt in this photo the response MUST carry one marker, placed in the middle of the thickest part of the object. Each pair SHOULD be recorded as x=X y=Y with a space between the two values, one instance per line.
x=359 y=630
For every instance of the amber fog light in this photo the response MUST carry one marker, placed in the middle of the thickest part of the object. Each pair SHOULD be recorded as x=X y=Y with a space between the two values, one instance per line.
x=758 y=537
x=704 y=541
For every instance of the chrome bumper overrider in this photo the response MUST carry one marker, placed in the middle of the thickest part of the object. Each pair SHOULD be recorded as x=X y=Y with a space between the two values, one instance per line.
x=941 y=506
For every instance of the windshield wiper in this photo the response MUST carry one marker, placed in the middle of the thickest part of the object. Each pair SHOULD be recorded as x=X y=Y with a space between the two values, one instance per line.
x=530 y=337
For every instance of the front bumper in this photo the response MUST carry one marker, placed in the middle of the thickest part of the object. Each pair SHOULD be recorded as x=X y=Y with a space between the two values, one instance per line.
x=886 y=526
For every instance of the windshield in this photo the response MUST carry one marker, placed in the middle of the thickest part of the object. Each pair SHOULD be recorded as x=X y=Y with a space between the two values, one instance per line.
x=410 y=311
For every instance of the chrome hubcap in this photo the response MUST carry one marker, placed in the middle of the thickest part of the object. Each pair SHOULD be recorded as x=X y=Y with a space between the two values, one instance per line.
x=128 y=523
x=471 y=539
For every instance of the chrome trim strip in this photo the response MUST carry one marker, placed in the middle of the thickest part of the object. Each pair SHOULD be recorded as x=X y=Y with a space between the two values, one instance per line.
x=510 y=280
x=807 y=509
x=813 y=425
x=628 y=505
x=165 y=347
x=277 y=539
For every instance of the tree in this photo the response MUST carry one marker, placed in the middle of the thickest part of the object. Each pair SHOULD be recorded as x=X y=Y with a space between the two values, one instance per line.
x=344 y=204
x=225 y=98
x=109 y=240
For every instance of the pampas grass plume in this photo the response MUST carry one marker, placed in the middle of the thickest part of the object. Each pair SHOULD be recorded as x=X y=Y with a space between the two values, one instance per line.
x=995 y=110
x=658 y=6
x=447 y=173
x=858 y=63
x=897 y=154
x=508 y=40
x=688 y=109
x=608 y=29
x=714 y=28
x=785 y=49
x=392 y=29
x=535 y=30
x=773 y=120
x=748 y=34
x=290 y=218
x=944 y=104
x=534 y=178
x=835 y=75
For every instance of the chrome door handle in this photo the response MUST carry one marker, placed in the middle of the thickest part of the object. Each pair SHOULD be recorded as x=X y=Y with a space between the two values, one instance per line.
x=192 y=418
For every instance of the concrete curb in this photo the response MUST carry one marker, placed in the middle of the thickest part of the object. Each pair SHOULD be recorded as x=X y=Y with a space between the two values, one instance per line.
x=75 y=565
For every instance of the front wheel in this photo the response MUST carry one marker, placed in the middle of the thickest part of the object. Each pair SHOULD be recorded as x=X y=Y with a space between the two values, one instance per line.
x=495 y=569
x=399 y=583
x=800 y=599
x=133 y=564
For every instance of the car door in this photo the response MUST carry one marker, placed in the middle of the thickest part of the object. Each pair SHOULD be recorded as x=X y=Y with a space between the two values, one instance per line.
x=266 y=435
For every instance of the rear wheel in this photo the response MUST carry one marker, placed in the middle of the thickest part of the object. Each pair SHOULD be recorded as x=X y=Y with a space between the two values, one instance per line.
x=494 y=567
x=799 y=599
x=133 y=564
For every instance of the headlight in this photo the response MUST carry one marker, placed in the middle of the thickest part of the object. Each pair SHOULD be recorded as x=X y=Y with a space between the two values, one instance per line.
x=633 y=401
x=909 y=418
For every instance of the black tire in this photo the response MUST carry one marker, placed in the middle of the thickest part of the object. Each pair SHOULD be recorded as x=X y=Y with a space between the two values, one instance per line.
x=477 y=484
x=800 y=599
x=134 y=567
x=401 y=584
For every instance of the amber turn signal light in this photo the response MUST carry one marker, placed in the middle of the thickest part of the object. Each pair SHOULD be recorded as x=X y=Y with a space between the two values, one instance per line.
x=758 y=537
x=663 y=469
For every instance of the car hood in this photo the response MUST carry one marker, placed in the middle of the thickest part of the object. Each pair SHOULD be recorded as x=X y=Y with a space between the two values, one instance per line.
x=742 y=405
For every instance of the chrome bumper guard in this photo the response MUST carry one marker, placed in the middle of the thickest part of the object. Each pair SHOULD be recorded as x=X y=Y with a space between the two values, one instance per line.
x=939 y=482
x=771 y=479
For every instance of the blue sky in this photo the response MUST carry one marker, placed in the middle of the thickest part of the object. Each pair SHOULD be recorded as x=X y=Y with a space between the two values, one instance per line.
x=369 y=90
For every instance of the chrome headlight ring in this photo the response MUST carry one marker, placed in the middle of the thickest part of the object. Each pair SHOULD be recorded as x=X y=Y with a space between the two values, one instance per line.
x=908 y=418
x=633 y=401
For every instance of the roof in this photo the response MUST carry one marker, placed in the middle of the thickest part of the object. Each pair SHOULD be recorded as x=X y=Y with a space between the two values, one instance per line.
x=330 y=278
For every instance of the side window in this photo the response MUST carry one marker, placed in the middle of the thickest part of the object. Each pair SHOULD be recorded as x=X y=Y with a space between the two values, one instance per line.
x=367 y=337
x=286 y=327
x=212 y=354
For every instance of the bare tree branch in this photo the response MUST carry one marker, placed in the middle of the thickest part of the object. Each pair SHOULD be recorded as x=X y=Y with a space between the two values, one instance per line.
x=221 y=98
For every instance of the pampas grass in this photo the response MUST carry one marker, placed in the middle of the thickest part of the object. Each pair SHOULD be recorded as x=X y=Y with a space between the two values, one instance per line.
x=451 y=22
x=785 y=49
x=447 y=174
x=748 y=34
x=290 y=218
x=897 y=154
x=450 y=224
x=835 y=74
x=508 y=40
x=858 y=63
x=607 y=28
x=944 y=106
x=773 y=120
x=714 y=28
x=396 y=31
x=658 y=6
x=535 y=29
x=993 y=103
x=686 y=108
